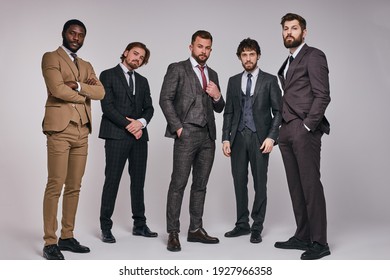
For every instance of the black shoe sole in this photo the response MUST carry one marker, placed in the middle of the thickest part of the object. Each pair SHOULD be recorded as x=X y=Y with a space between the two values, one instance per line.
x=324 y=254
x=256 y=241
x=290 y=247
x=72 y=250
x=236 y=235
x=52 y=258
x=108 y=240
x=144 y=235
x=174 y=249
x=202 y=241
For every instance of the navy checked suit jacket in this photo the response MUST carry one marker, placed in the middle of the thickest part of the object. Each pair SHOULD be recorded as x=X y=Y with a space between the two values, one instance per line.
x=119 y=104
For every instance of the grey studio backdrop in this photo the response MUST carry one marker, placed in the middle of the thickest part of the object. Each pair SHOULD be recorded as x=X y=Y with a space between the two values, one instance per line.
x=355 y=168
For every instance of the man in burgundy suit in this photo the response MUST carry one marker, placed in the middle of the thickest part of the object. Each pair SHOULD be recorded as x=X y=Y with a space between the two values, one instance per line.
x=305 y=82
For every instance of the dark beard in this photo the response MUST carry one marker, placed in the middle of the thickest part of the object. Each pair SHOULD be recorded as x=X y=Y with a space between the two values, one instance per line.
x=249 y=68
x=294 y=43
x=199 y=60
x=68 y=46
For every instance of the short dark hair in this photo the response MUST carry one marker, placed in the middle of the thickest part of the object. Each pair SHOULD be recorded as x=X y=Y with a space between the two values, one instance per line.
x=139 y=45
x=248 y=44
x=73 y=22
x=202 y=34
x=291 y=16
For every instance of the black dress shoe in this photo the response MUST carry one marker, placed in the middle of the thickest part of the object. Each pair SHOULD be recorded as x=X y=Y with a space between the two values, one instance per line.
x=316 y=251
x=255 y=237
x=200 y=235
x=173 y=242
x=237 y=231
x=71 y=244
x=144 y=231
x=52 y=252
x=107 y=236
x=293 y=243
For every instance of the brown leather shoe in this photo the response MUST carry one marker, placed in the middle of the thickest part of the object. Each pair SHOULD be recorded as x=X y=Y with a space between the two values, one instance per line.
x=173 y=242
x=200 y=235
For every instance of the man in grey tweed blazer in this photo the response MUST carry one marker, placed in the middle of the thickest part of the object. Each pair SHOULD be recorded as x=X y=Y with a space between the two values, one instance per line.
x=127 y=110
x=189 y=96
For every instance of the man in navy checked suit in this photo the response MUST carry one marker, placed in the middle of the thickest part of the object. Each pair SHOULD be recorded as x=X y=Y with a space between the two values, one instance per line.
x=127 y=110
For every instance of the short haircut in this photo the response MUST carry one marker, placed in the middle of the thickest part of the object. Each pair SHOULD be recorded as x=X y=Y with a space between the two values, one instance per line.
x=73 y=22
x=202 y=34
x=291 y=16
x=248 y=44
x=139 y=45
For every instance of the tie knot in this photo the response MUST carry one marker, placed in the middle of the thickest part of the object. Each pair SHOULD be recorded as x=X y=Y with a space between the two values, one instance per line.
x=249 y=76
x=73 y=55
x=130 y=73
x=201 y=68
x=291 y=58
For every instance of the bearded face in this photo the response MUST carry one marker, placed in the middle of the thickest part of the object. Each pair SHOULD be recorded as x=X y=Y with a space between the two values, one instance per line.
x=293 y=35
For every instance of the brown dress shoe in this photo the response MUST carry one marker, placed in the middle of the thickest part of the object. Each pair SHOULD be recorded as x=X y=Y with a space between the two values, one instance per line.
x=173 y=242
x=200 y=235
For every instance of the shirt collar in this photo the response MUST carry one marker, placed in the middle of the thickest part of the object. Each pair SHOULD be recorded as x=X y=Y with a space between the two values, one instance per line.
x=195 y=63
x=68 y=52
x=254 y=73
x=124 y=68
x=294 y=55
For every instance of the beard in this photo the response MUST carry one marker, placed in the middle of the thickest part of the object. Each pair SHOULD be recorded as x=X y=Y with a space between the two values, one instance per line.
x=133 y=64
x=201 y=59
x=294 y=43
x=69 y=46
x=249 y=66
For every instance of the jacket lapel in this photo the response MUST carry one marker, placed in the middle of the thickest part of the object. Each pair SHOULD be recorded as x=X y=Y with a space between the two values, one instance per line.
x=71 y=64
x=295 y=63
x=259 y=82
x=122 y=78
x=280 y=73
x=194 y=82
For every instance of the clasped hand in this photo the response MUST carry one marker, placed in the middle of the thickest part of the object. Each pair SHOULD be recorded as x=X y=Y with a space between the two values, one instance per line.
x=134 y=127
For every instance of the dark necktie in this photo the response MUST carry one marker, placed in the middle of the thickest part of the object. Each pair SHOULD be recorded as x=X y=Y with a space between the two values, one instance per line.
x=75 y=59
x=131 y=84
x=248 y=85
x=290 y=60
x=204 y=80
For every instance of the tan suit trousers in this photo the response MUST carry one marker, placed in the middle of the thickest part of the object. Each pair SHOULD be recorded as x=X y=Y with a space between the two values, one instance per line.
x=66 y=159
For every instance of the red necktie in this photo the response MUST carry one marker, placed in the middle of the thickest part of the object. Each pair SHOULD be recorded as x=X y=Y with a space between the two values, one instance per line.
x=204 y=80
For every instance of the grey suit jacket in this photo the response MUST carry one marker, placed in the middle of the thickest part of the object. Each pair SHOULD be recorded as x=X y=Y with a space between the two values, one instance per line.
x=119 y=104
x=266 y=107
x=178 y=94
x=306 y=89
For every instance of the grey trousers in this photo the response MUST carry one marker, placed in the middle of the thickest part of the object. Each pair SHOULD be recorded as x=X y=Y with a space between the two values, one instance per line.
x=246 y=149
x=193 y=150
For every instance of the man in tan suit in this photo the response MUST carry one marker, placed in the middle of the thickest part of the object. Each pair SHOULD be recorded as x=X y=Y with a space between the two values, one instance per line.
x=71 y=84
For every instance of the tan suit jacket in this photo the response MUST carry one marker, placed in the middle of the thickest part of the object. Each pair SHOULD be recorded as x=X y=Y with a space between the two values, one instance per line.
x=57 y=68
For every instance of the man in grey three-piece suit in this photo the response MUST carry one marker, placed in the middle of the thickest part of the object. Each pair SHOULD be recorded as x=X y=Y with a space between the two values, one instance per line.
x=250 y=130
x=189 y=96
